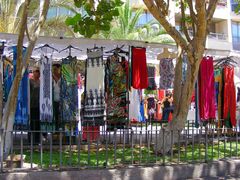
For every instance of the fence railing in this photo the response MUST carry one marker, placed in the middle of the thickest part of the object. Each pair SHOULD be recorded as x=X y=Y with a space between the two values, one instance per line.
x=121 y=147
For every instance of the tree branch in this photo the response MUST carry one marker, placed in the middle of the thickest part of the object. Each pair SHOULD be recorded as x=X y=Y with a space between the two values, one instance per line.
x=201 y=27
x=21 y=36
x=183 y=22
x=36 y=33
x=192 y=13
x=27 y=33
x=193 y=16
x=158 y=14
x=211 y=8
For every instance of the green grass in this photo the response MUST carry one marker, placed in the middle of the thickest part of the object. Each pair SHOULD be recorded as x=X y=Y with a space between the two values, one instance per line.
x=137 y=155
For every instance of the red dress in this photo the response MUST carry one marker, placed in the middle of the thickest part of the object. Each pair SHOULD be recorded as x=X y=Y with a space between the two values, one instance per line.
x=229 y=106
x=139 y=68
x=207 y=107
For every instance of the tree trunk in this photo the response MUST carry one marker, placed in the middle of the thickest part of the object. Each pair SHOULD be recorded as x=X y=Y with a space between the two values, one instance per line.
x=22 y=64
x=182 y=96
x=9 y=113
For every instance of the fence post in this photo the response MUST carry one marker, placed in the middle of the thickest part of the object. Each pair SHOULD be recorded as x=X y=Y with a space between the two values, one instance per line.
x=206 y=144
x=1 y=149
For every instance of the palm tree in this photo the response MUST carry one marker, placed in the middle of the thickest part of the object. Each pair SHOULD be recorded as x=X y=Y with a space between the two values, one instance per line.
x=10 y=11
x=125 y=26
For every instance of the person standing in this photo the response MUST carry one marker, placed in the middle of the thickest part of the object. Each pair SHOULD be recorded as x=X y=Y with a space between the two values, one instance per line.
x=34 y=105
x=56 y=94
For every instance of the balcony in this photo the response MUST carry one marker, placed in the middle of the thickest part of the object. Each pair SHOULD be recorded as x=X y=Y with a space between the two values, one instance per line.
x=218 y=41
x=218 y=36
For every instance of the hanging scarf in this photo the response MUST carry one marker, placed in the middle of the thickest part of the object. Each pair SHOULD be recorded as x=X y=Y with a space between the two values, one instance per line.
x=94 y=107
x=21 y=115
x=69 y=89
x=46 y=107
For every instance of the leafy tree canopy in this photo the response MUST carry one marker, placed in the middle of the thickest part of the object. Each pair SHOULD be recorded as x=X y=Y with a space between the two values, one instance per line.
x=95 y=17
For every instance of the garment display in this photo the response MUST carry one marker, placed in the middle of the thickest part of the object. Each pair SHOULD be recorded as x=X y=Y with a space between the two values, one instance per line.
x=142 y=115
x=229 y=106
x=197 y=117
x=151 y=78
x=22 y=113
x=166 y=73
x=134 y=106
x=69 y=89
x=46 y=106
x=8 y=78
x=116 y=92
x=218 y=88
x=206 y=89
x=94 y=104
x=238 y=94
x=139 y=68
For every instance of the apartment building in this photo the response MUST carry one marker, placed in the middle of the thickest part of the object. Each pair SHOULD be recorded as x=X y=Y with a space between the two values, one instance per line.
x=225 y=28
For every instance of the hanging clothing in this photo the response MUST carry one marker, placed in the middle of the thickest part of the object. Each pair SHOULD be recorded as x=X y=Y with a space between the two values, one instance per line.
x=8 y=78
x=22 y=114
x=229 y=109
x=69 y=90
x=206 y=89
x=80 y=92
x=139 y=68
x=142 y=117
x=238 y=94
x=151 y=78
x=185 y=64
x=46 y=106
x=219 y=93
x=197 y=117
x=116 y=92
x=94 y=104
x=134 y=106
x=166 y=73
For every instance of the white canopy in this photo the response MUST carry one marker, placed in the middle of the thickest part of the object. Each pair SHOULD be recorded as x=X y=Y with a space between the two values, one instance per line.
x=153 y=49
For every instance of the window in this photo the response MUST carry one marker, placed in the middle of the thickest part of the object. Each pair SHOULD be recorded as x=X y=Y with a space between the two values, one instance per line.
x=144 y=19
x=52 y=12
x=63 y=11
x=236 y=35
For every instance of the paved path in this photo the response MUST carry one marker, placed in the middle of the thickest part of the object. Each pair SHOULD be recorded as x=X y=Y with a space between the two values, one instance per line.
x=228 y=169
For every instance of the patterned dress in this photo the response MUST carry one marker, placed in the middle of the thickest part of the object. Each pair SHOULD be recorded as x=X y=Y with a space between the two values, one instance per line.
x=69 y=90
x=94 y=104
x=166 y=73
x=116 y=89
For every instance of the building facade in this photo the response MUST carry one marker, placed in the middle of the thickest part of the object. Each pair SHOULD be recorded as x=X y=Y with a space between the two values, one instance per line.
x=224 y=30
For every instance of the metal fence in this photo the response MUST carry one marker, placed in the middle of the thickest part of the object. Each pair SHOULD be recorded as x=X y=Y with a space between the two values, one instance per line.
x=118 y=148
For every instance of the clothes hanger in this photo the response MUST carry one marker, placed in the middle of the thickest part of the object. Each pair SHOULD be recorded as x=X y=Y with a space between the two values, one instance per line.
x=118 y=50
x=46 y=46
x=70 y=47
x=94 y=48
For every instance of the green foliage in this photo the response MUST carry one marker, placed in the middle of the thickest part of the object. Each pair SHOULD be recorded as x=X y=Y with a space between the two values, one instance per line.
x=237 y=9
x=136 y=155
x=96 y=17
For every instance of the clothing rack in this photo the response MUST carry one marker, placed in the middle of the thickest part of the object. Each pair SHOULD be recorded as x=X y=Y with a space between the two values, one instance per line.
x=118 y=50
x=225 y=61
